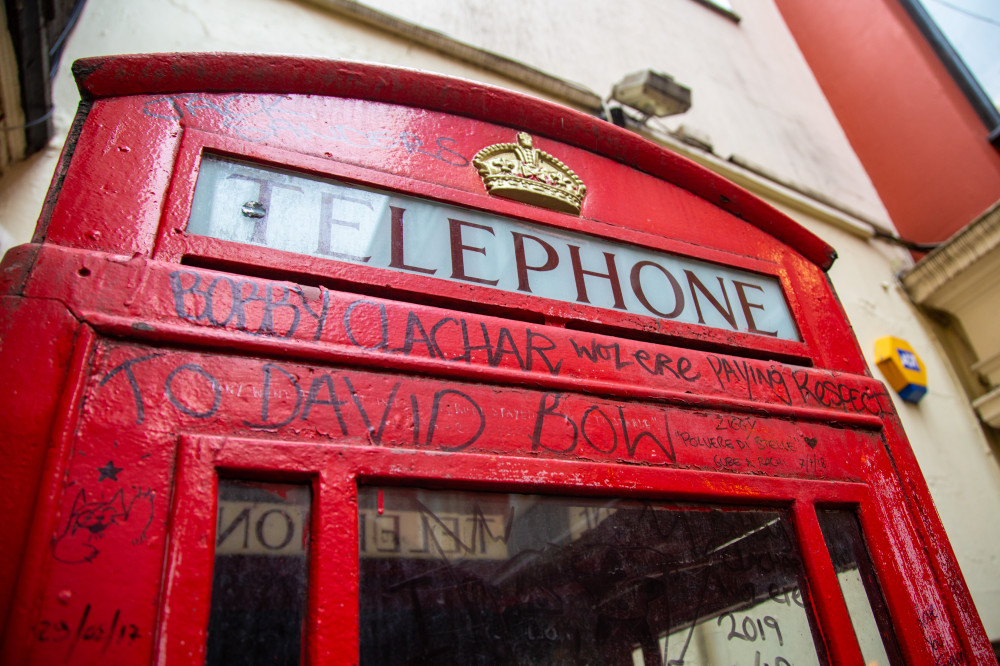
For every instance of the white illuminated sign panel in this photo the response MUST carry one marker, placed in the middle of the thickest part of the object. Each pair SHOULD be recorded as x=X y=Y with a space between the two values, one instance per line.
x=240 y=202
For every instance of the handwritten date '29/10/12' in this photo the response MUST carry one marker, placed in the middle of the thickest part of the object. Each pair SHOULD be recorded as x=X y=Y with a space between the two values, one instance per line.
x=107 y=632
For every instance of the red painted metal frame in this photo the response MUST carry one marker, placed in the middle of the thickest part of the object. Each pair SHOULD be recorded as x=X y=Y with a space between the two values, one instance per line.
x=110 y=278
x=58 y=273
x=31 y=569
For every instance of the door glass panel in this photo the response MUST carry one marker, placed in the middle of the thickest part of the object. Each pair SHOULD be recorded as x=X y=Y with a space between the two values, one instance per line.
x=859 y=586
x=495 y=578
x=260 y=576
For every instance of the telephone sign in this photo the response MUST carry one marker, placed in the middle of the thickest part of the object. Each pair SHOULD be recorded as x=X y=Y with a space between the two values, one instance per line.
x=329 y=363
x=278 y=209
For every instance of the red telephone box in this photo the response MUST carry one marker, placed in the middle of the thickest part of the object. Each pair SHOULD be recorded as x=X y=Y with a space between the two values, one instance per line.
x=315 y=362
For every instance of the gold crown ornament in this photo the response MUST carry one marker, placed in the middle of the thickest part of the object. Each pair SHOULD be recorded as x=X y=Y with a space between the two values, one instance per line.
x=523 y=173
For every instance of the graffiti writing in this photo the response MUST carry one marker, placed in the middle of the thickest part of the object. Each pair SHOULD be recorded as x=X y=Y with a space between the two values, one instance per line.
x=825 y=392
x=729 y=372
x=259 y=118
x=812 y=463
x=279 y=310
x=943 y=655
x=89 y=630
x=90 y=519
x=658 y=364
x=282 y=310
x=751 y=628
x=223 y=300
x=599 y=427
x=383 y=410
x=462 y=344
x=791 y=386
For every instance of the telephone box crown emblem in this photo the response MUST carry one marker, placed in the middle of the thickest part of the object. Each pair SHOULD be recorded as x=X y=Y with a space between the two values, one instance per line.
x=523 y=173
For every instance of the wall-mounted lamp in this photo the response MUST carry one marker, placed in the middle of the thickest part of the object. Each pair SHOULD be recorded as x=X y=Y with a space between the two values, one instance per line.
x=652 y=93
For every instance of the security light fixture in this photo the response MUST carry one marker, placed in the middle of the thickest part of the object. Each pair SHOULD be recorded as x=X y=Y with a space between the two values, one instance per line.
x=652 y=93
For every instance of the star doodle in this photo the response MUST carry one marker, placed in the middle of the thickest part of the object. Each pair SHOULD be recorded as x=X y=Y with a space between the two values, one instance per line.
x=109 y=471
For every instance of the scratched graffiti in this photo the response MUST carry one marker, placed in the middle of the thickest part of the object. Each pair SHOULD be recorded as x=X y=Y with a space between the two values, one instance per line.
x=259 y=118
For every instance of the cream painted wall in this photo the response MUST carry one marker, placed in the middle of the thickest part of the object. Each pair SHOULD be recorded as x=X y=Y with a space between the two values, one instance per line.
x=752 y=92
x=753 y=95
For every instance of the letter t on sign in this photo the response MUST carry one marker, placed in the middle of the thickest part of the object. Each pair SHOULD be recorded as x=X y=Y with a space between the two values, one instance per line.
x=259 y=236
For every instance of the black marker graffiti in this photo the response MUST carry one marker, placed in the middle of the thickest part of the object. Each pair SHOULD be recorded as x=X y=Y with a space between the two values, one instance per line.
x=235 y=295
x=126 y=368
x=605 y=419
x=89 y=519
x=659 y=364
x=825 y=392
x=109 y=472
x=524 y=351
x=738 y=371
x=88 y=630
x=267 y=118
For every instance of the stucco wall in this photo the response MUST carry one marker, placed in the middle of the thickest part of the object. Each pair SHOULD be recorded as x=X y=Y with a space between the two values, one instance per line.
x=753 y=95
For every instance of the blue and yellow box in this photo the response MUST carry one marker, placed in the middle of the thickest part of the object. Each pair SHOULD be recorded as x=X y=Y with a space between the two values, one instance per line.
x=901 y=367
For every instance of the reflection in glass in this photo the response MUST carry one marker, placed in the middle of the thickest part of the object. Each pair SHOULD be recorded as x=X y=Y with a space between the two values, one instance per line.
x=260 y=575
x=859 y=586
x=496 y=578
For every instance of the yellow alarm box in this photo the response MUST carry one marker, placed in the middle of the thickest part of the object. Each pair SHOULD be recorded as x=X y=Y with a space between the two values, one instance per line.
x=901 y=367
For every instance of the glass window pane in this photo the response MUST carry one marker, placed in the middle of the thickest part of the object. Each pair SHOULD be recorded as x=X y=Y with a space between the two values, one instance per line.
x=495 y=578
x=859 y=586
x=260 y=576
